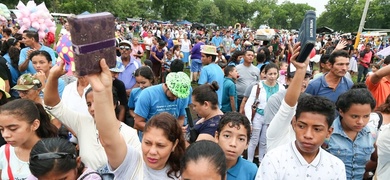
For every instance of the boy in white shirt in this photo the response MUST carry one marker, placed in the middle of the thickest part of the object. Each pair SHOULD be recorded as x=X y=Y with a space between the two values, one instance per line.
x=304 y=158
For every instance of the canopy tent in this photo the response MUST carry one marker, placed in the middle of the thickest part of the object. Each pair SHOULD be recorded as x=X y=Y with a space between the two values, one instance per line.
x=373 y=34
x=197 y=25
x=324 y=29
x=156 y=21
x=184 y=22
x=211 y=25
x=133 y=19
x=265 y=34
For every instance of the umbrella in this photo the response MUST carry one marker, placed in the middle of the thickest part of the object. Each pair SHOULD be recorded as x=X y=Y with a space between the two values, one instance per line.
x=324 y=29
x=384 y=52
x=211 y=24
x=184 y=22
x=65 y=52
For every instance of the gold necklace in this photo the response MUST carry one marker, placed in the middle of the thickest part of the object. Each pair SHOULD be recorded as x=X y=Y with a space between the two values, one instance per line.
x=19 y=162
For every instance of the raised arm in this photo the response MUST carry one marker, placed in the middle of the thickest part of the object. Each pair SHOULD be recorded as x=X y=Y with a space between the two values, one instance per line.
x=377 y=76
x=51 y=96
x=294 y=89
x=106 y=122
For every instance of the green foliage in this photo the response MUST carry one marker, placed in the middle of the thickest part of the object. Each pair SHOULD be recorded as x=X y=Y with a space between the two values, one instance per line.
x=345 y=15
x=76 y=7
x=341 y=15
x=172 y=9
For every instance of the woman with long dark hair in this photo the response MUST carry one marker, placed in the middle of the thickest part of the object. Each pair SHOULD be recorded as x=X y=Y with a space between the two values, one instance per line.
x=22 y=123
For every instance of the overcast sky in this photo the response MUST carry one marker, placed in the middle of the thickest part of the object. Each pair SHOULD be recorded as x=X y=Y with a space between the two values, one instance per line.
x=318 y=4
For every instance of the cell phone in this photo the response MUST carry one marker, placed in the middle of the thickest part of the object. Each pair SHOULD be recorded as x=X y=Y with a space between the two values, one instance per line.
x=307 y=35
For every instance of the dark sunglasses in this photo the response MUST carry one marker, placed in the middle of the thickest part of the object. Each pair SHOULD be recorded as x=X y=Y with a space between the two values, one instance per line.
x=53 y=155
x=124 y=48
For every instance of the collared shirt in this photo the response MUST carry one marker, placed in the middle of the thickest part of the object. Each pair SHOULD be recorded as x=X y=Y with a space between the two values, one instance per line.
x=72 y=99
x=383 y=145
x=285 y=162
x=320 y=87
x=127 y=75
x=354 y=153
x=242 y=170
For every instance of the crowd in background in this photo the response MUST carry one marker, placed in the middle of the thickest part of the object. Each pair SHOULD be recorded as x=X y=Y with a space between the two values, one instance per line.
x=187 y=102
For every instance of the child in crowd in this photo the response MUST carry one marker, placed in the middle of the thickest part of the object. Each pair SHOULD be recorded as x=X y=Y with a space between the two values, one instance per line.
x=315 y=72
x=353 y=137
x=282 y=72
x=203 y=160
x=374 y=68
x=168 y=61
x=229 y=95
x=176 y=52
x=353 y=67
x=147 y=62
x=233 y=135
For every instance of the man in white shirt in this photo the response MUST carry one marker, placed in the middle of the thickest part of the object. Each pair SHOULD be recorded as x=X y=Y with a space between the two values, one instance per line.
x=303 y=158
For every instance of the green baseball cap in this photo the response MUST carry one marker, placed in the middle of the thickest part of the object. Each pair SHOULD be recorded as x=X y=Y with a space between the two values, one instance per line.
x=179 y=84
x=26 y=82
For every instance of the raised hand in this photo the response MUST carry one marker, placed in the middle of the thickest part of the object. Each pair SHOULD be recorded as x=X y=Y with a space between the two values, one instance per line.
x=101 y=81
x=58 y=70
x=293 y=60
x=341 y=45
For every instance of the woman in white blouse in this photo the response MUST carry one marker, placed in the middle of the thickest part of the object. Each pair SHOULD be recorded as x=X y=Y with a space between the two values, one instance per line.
x=185 y=49
x=268 y=87
x=162 y=143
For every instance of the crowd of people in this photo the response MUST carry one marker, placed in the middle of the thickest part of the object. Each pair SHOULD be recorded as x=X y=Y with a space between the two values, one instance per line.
x=248 y=109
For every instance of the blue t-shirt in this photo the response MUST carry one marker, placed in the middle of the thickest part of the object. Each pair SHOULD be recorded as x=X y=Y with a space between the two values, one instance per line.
x=319 y=87
x=154 y=101
x=135 y=92
x=61 y=87
x=242 y=170
x=30 y=68
x=208 y=126
x=210 y=73
x=217 y=40
x=229 y=89
x=14 y=72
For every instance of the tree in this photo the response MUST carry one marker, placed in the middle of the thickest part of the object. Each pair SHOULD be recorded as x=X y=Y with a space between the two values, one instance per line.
x=209 y=12
x=234 y=11
x=172 y=9
x=76 y=7
x=292 y=12
x=264 y=11
x=341 y=15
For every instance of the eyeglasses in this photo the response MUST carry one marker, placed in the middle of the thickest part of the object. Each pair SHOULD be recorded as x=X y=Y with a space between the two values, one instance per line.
x=124 y=48
x=53 y=155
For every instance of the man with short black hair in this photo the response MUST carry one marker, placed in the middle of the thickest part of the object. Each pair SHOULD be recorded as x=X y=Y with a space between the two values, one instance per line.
x=248 y=74
x=333 y=83
x=31 y=40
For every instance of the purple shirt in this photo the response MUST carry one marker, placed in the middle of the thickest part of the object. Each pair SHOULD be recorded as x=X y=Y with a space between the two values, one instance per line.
x=159 y=54
x=127 y=75
x=195 y=51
